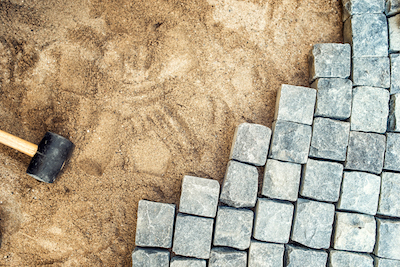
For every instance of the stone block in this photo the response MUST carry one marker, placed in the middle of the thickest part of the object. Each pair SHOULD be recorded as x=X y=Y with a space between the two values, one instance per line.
x=392 y=154
x=389 y=199
x=300 y=257
x=360 y=192
x=380 y=262
x=394 y=74
x=290 y=142
x=281 y=180
x=251 y=143
x=370 y=109
x=346 y=259
x=227 y=257
x=394 y=34
x=357 y=7
x=321 y=180
x=334 y=97
x=273 y=221
x=371 y=71
x=199 y=196
x=392 y=7
x=365 y=152
x=263 y=254
x=394 y=113
x=388 y=239
x=313 y=222
x=193 y=236
x=155 y=224
x=329 y=139
x=233 y=228
x=295 y=104
x=179 y=261
x=240 y=185
x=150 y=257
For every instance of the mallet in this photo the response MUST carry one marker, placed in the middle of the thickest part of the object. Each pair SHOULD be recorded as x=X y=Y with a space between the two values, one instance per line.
x=48 y=158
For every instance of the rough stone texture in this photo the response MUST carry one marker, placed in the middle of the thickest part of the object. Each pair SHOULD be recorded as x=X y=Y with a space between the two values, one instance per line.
x=263 y=254
x=273 y=221
x=178 y=261
x=347 y=259
x=379 y=262
x=313 y=223
x=155 y=224
x=355 y=7
x=193 y=236
x=389 y=199
x=370 y=109
x=360 y=192
x=392 y=154
x=329 y=139
x=281 y=180
x=371 y=71
x=394 y=34
x=150 y=257
x=394 y=113
x=290 y=142
x=321 y=180
x=388 y=239
x=199 y=196
x=233 y=228
x=226 y=257
x=240 y=185
x=394 y=74
x=251 y=143
x=365 y=152
x=334 y=97
x=300 y=257
x=295 y=104
x=392 y=7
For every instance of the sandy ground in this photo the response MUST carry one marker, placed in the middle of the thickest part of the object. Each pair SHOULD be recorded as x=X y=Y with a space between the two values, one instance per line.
x=148 y=90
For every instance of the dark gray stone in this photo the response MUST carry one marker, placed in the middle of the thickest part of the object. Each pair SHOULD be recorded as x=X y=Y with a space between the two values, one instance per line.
x=263 y=254
x=389 y=200
x=346 y=259
x=227 y=257
x=150 y=257
x=394 y=113
x=394 y=34
x=392 y=7
x=179 y=261
x=356 y=7
x=371 y=71
x=300 y=257
x=394 y=74
x=379 y=262
x=392 y=154
x=387 y=243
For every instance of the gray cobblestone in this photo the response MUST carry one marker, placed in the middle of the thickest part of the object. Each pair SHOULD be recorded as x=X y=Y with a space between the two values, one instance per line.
x=389 y=199
x=379 y=262
x=394 y=74
x=300 y=257
x=179 y=261
x=346 y=259
x=394 y=113
x=355 y=7
x=387 y=243
x=150 y=257
x=371 y=71
x=394 y=33
x=392 y=154
x=263 y=254
x=226 y=257
x=392 y=7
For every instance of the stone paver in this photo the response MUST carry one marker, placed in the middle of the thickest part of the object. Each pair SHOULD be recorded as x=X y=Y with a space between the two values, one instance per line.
x=371 y=71
x=300 y=257
x=394 y=74
x=389 y=199
x=394 y=113
x=262 y=254
x=380 y=262
x=392 y=154
x=346 y=259
x=392 y=7
x=150 y=257
x=388 y=239
x=394 y=33
x=355 y=7
x=179 y=261
x=227 y=257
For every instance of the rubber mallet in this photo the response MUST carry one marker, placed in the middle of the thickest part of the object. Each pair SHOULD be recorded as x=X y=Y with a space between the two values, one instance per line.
x=48 y=158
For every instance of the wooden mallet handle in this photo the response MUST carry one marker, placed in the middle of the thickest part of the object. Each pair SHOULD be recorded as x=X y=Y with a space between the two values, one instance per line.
x=18 y=143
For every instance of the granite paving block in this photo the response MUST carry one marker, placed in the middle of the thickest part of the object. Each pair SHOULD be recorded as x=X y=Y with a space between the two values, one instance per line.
x=263 y=254
x=321 y=180
x=273 y=221
x=394 y=34
x=389 y=199
x=313 y=222
x=199 y=196
x=155 y=224
x=394 y=113
x=388 y=239
x=179 y=261
x=394 y=74
x=392 y=154
x=251 y=143
x=290 y=142
x=150 y=257
x=295 y=104
x=346 y=259
x=365 y=152
x=356 y=7
x=193 y=236
x=334 y=96
x=300 y=257
x=240 y=185
x=380 y=262
x=227 y=257
x=371 y=71
x=281 y=180
x=329 y=139
x=392 y=7
x=233 y=228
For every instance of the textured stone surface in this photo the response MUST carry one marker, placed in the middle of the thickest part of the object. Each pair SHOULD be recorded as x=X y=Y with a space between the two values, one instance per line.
x=354 y=7
x=379 y=262
x=388 y=239
x=281 y=180
x=178 y=261
x=273 y=221
x=394 y=33
x=225 y=257
x=155 y=224
x=389 y=199
x=365 y=152
x=290 y=142
x=321 y=180
x=334 y=97
x=295 y=104
x=313 y=223
x=240 y=185
x=150 y=257
x=193 y=236
x=300 y=257
x=347 y=259
x=199 y=196
x=370 y=109
x=392 y=154
x=263 y=254
x=371 y=71
x=360 y=192
x=394 y=74
x=392 y=7
x=329 y=139
x=233 y=228
x=251 y=143
x=394 y=113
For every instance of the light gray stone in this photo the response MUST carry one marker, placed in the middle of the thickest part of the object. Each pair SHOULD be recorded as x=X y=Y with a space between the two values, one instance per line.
x=313 y=223
x=392 y=154
x=394 y=113
x=263 y=254
x=240 y=185
x=290 y=142
x=365 y=152
x=346 y=259
x=273 y=221
x=150 y=257
x=179 y=261
x=329 y=139
x=199 y=196
x=226 y=257
x=356 y=7
x=389 y=199
x=379 y=262
x=388 y=239
x=394 y=74
x=371 y=71
x=251 y=143
x=155 y=224
x=394 y=34
x=233 y=228
x=300 y=257
x=281 y=180
x=392 y=7
x=360 y=192
x=193 y=236
x=321 y=180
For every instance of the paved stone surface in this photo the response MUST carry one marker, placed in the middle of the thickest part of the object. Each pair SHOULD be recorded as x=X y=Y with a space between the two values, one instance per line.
x=155 y=224
x=251 y=143
x=365 y=152
x=313 y=223
x=240 y=185
x=389 y=199
x=392 y=7
x=300 y=257
x=273 y=221
x=329 y=139
x=281 y=180
x=355 y=7
x=226 y=257
x=233 y=228
x=263 y=254
x=394 y=113
x=392 y=154
x=295 y=104
x=199 y=196
x=360 y=192
x=371 y=71
x=380 y=262
x=179 y=261
x=346 y=259
x=150 y=257
x=321 y=180
x=394 y=74
x=193 y=236
x=388 y=239
x=394 y=33
x=290 y=142
x=334 y=97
